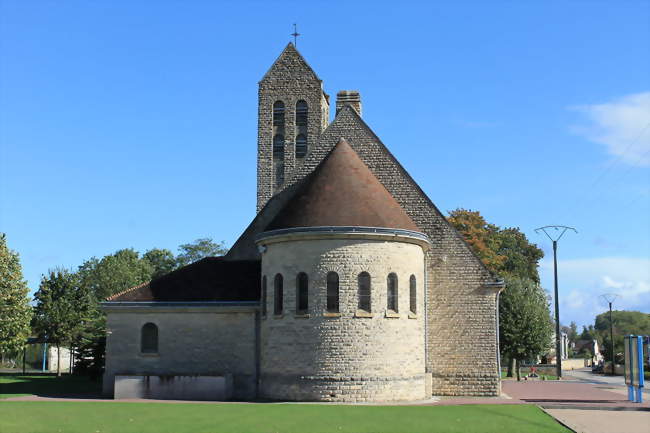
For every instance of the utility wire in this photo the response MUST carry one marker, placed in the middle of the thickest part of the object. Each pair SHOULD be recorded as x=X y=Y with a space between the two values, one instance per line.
x=586 y=197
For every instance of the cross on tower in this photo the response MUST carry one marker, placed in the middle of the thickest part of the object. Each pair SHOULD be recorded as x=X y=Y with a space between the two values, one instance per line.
x=295 y=35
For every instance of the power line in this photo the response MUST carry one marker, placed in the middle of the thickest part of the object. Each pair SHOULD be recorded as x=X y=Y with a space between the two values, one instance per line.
x=586 y=197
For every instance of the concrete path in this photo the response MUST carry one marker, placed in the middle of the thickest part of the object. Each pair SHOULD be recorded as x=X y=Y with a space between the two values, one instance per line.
x=602 y=421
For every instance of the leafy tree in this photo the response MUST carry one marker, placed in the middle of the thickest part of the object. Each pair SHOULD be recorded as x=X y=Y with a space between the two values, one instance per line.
x=525 y=326
x=90 y=339
x=56 y=317
x=625 y=323
x=200 y=248
x=15 y=311
x=161 y=260
x=114 y=273
x=588 y=333
x=520 y=256
x=506 y=252
x=480 y=235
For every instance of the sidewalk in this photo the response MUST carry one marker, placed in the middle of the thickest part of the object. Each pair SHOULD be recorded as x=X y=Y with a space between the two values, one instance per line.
x=602 y=421
x=570 y=394
x=584 y=407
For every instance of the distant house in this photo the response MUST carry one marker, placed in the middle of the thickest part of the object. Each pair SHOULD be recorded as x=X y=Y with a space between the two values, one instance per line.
x=581 y=346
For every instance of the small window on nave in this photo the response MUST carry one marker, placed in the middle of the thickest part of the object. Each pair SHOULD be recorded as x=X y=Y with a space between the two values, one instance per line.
x=302 y=293
x=149 y=338
x=412 y=295
x=364 y=292
x=278 y=294
x=332 y=292
x=392 y=293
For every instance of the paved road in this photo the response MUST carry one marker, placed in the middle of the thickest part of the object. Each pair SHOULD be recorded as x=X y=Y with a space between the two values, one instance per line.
x=585 y=375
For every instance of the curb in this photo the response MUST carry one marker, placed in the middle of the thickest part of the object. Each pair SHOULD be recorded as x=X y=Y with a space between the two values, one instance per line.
x=557 y=420
x=612 y=408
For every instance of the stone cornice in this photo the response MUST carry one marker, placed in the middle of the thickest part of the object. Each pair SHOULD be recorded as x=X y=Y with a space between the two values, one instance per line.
x=326 y=233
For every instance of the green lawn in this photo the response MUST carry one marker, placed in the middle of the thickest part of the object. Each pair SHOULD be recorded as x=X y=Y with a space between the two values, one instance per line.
x=47 y=385
x=103 y=417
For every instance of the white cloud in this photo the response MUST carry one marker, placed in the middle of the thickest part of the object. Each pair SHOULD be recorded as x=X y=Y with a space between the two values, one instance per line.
x=621 y=125
x=582 y=281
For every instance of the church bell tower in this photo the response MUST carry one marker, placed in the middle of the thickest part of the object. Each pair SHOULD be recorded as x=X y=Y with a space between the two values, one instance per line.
x=293 y=111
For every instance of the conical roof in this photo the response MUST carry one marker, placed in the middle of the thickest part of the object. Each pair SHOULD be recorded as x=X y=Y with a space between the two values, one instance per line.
x=342 y=191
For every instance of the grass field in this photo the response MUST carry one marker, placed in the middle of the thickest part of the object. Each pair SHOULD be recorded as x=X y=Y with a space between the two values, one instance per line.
x=105 y=417
x=504 y=375
x=46 y=385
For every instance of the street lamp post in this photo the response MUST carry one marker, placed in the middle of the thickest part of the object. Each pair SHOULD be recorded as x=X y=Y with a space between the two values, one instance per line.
x=610 y=298
x=558 y=338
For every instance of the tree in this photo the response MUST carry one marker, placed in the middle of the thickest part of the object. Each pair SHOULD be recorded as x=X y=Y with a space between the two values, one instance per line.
x=114 y=273
x=90 y=338
x=525 y=325
x=520 y=256
x=505 y=252
x=15 y=311
x=200 y=248
x=625 y=323
x=480 y=235
x=588 y=333
x=55 y=316
x=161 y=260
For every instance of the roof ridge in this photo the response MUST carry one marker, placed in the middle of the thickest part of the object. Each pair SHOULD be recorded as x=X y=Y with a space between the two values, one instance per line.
x=130 y=289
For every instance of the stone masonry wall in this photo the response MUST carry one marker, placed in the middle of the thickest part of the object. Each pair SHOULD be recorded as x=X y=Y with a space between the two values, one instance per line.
x=189 y=343
x=344 y=357
x=289 y=80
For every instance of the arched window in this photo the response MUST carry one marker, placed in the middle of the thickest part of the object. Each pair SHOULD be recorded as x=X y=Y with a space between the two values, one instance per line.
x=278 y=294
x=392 y=292
x=263 y=297
x=302 y=112
x=278 y=114
x=364 y=291
x=302 y=293
x=332 y=292
x=149 y=338
x=412 y=295
x=301 y=146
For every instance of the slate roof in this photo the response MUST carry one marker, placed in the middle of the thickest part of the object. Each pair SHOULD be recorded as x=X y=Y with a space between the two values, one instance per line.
x=209 y=279
x=342 y=191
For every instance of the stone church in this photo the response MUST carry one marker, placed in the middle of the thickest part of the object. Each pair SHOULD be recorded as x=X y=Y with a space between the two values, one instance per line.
x=348 y=285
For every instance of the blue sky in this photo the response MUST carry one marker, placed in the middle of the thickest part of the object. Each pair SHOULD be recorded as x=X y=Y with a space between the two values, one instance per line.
x=133 y=124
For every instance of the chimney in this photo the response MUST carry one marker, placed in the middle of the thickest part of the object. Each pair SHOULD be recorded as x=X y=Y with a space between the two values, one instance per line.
x=348 y=97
